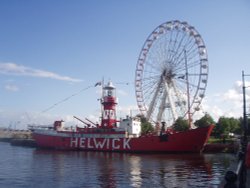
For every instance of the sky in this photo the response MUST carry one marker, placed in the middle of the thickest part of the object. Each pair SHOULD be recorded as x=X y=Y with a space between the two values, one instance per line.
x=53 y=52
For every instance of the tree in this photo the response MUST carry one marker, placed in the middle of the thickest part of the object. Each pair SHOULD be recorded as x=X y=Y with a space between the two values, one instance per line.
x=205 y=121
x=227 y=125
x=181 y=124
x=146 y=127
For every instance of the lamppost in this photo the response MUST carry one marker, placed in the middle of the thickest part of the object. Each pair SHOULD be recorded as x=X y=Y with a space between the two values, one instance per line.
x=245 y=119
x=237 y=178
x=242 y=172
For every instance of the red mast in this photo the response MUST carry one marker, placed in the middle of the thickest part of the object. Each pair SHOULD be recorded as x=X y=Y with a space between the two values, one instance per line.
x=108 y=106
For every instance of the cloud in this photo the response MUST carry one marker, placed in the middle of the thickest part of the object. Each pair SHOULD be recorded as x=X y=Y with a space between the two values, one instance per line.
x=10 y=87
x=228 y=103
x=123 y=111
x=232 y=94
x=20 y=70
x=122 y=93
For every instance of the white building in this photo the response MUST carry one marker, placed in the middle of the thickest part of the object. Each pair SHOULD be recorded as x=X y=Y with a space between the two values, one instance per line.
x=131 y=125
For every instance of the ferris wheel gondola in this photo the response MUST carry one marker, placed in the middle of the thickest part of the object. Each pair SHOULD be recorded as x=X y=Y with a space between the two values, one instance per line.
x=171 y=73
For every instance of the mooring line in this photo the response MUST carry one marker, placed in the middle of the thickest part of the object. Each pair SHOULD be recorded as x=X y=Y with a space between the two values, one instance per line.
x=67 y=98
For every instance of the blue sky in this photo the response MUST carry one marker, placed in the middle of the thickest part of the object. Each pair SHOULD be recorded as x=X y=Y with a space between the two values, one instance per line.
x=50 y=50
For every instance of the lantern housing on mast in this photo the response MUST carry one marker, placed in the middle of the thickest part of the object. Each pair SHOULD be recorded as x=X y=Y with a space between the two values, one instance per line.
x=109 y=106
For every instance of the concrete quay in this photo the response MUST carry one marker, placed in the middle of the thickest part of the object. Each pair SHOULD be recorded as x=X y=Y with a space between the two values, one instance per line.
x=17 y=137
x=6 y=133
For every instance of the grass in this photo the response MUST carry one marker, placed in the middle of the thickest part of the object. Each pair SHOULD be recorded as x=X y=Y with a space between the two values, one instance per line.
x=213 y=140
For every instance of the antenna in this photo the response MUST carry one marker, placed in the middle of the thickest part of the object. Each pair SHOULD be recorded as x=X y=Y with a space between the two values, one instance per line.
x=188 y=94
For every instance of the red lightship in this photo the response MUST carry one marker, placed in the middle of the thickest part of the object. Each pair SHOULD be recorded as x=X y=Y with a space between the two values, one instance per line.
x=126 y=137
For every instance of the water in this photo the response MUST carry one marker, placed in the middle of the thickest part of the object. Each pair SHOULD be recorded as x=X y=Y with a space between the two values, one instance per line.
x=30 y=167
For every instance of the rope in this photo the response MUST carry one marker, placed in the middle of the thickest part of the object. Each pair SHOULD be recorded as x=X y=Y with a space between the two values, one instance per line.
x=84 y=89
x=65 y=99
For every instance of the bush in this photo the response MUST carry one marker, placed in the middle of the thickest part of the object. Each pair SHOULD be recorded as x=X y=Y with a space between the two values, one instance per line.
x=205 y=121
x=181 y=124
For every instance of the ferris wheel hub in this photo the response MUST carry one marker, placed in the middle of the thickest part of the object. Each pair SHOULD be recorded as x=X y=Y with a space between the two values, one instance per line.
x=168 y=75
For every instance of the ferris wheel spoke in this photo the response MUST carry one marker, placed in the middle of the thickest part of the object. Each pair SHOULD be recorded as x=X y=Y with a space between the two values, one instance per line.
x=194 y=89
x=179 y=51
x=158 y=55
x=191 y=54
x=169 y=49
x=149 y=89
x=187 y=42
x=182 y=83
x=165 y=47
x=190 y=65
x=179 y=54
x=150 y=74
x=194 y=78
x=181 y=61
x=151 y=78
x=148 y=93
x=161 y=59
x=173 y=48
x=154 y=62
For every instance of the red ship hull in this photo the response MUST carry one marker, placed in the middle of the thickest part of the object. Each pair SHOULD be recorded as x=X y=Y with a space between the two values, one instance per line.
x=189 y=141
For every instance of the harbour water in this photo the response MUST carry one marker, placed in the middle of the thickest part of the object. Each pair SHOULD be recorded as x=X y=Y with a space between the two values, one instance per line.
x=31 y=167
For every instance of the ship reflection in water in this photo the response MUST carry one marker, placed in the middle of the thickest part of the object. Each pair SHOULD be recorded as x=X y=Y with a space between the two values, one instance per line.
x=100 y=169
x=29 y=167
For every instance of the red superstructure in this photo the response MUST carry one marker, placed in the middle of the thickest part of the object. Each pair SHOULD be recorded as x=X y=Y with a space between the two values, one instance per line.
x=108 y=136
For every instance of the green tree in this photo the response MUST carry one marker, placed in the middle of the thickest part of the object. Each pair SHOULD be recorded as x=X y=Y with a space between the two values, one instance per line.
x=227 y=125
x=181 y=124
x=205 y=121
x=146 y=126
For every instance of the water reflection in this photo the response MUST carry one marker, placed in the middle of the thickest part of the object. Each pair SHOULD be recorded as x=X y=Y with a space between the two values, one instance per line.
x=135 y=171
x=100 y=169
x=169 y=170
x=105 y=174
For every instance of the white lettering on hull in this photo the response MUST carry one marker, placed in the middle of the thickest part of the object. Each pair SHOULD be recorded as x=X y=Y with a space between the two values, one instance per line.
x=115 y=144
x=73 y=142
x=82 y=143
x=126 y=143
x=100 y=144
x=104 y=143
x=89 y=146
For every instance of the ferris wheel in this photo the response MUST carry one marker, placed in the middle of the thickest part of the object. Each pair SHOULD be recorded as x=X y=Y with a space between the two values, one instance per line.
x=171 y=73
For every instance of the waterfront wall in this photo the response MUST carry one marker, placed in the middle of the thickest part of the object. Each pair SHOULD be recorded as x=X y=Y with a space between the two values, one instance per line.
x=14 y=134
